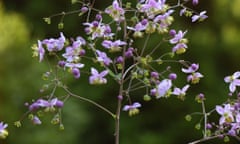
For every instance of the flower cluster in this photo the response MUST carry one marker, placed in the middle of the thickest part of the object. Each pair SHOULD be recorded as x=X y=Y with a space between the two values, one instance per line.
x=43 y=105
x=120 y=57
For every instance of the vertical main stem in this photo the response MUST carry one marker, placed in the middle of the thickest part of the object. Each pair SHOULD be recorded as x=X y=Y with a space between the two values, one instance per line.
x=121 y=82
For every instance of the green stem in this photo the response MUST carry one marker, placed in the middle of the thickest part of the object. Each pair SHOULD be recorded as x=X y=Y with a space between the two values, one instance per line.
x=90 y=101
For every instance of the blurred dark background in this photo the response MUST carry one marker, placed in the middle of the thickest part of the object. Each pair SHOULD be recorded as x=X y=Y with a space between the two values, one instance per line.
x=214 y=44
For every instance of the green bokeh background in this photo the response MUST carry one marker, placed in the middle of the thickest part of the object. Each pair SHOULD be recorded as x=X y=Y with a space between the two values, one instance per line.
x=214 y=44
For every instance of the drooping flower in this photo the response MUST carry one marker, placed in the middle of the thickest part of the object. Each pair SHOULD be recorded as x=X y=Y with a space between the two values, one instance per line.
x=226 y=113
x=41 y=103
x=194 y=2
x=163 y=88
x=36 y=120
x=153 y=7
x=103 y=58
x=74 y=52
x=178 y=38
x=98 y=30
x=54 y=45
x=3 y=131
x=233 y=80
x=132 y=109
x=202 y=16
x=139 y=27
x=115 y=11
x=113 y=46
x=180 y=92
x=193 y=76
x=193 y=68
x=41 y=51
x=133 y=106
x=74 y=68
x=98 y=78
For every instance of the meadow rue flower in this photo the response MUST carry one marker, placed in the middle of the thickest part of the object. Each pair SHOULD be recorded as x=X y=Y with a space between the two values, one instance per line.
x=74 y=68
x=152 y=7
x=180 y=92
x=199 y=17
x=193 y=68
x=164 y=21
x=41 y=51
x=172 y=76
x=41 y=103
x=98 y=30
x=193 y=76
x=233 y=80
x=226 y=113
x=129 y=52
x=178 y=38
x=103 y=58
x=113 y=46
x=54 y=45
x=194 y=2
x=115 y=11
x=163 y=88
x=36 y=120
x=3 y=131
x=98 y=78
x=74 y=52
x=132 y=109
x=180 y=42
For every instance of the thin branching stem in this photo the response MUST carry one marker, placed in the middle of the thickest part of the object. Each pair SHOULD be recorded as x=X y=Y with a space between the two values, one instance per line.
x=90 y=101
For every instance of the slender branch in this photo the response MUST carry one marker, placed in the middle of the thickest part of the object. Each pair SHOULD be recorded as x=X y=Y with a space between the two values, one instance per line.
x=204 y=139
x=90 y=101
x=205 y=119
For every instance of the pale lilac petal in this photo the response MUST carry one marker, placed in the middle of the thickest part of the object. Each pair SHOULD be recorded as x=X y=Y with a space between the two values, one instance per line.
x=220 y=110
x=236 y=75
x=227 y=79
x=232 y=87
x=103 y=73
x=136 y=105
x=94 y=71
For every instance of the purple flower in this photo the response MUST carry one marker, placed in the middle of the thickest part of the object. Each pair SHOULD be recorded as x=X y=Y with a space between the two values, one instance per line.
x=182 y=11
x=36 y=120
x=98 y=30
x=194 y=2
x=74 y=67
x=115 y=11
x=119 y=59
x=194 y=77
x=41 y=51
x=172 y=76
x=102 y=57
x=180 y=92
x=113 y=46
x=132 y=106
x=140 y=26
x=41 y=103
x=152 y=7
x=233 y=80
x=179 y=48
x=164 y=17
x=178 y=37
x=3 y=131
x=200 y=17
x=226 y=113
x=98 y=78
x=54 y=45
x=163 y=88
x=129 y=52
x=193 y=68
